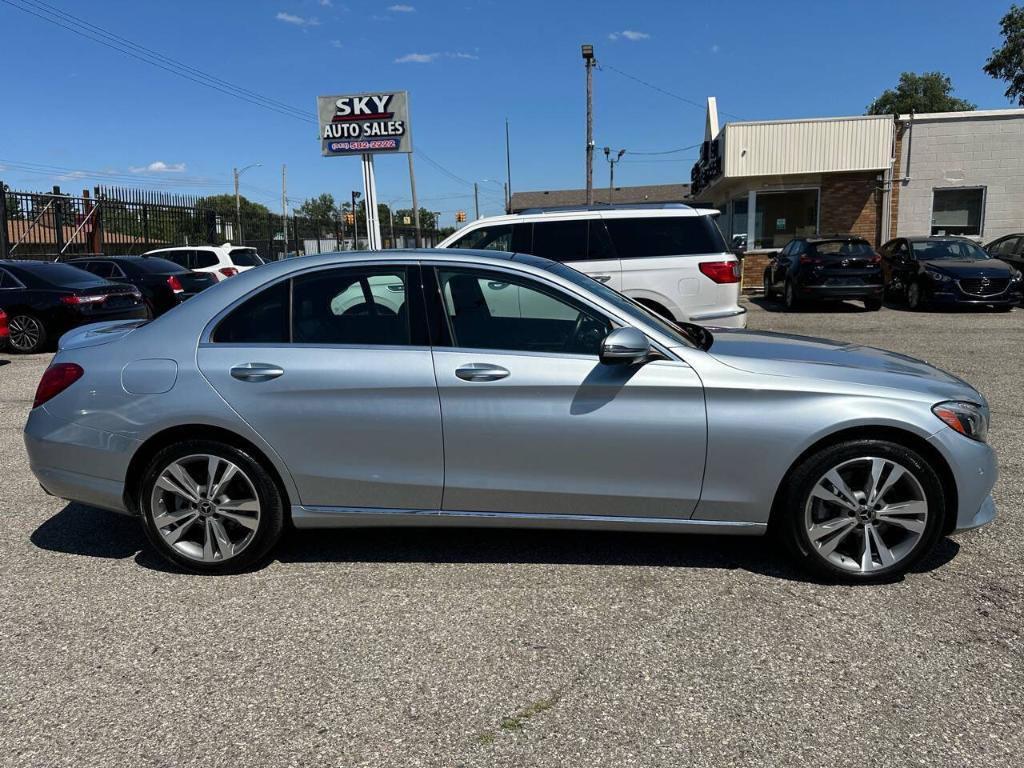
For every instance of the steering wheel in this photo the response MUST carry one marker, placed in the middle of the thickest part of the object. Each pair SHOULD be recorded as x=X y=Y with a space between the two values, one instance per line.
x=364 y=309
x=586 y=335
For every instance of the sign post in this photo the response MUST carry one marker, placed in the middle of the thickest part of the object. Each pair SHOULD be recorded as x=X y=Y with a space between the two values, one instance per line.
x=366 y=124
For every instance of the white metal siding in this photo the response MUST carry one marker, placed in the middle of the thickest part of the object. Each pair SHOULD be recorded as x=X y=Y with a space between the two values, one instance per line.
x=808 y=146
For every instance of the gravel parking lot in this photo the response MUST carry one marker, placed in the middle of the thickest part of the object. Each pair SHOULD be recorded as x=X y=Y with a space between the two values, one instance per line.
x=458 y=648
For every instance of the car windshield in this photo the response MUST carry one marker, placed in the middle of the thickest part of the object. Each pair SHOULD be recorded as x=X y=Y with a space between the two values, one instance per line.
x=245 y=257
x=686 y=334
x=934 y=250
x=63 y=275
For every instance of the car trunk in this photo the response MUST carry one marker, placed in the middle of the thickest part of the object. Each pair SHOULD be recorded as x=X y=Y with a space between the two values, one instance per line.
x=194 y=282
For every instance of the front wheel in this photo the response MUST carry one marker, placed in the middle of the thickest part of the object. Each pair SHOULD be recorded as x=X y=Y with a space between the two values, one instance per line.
x=862 y=511
x=27 y=334
x=210 y=507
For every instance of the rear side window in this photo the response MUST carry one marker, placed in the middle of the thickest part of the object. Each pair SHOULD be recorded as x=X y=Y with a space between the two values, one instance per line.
x=665 y=236
x=6 y=281
x=560 y=240
x=178 y=257
x=261 y=319
x=245 y=257
x=204 y=259
x=351 y=306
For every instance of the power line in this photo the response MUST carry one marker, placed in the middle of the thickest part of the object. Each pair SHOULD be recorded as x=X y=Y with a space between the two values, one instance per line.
x=82 y=174
x=665 y=152
x=653 y=87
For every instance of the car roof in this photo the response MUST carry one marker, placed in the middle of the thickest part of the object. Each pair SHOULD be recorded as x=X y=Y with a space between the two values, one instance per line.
x=829 y=238
x=603 y=212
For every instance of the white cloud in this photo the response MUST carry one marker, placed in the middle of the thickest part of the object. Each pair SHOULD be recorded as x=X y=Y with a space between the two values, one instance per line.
x=715 y=48
x=630 y=34
x=326 y=3
x=428 y=58
x=336 y=43
x=401 y=8
x=298 y=21
x=159 y=166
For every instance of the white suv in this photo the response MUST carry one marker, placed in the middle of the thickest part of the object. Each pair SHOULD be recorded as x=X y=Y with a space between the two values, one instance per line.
x=221 y=261
x=670 y=258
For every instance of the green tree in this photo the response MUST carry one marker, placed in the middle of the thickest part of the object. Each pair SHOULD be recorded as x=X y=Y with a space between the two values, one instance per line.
x=224 y=205
x=13 y=206
x=1007 y=63
x=321 y=208
x=427 y=219
x=927 y=92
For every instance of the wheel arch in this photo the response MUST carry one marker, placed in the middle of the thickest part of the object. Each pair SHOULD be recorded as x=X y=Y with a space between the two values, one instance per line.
x=171 y=435
x=654 y=305
x=892 y=434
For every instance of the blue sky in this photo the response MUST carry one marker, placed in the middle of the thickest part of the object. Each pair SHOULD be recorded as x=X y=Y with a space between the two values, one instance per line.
x=75 y=105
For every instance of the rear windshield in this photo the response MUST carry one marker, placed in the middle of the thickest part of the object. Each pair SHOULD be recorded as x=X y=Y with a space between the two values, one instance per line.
x=665 y=236
x=842 y=248
x=154 y=266
x=931 y=250
x=63 y=275
x=245 y=257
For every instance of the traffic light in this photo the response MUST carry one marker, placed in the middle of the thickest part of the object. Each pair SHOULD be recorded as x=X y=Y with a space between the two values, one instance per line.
x=460 y=216
x=350 y=219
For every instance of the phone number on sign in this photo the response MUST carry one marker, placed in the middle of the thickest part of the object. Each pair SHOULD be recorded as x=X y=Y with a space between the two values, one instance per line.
x=362 y=146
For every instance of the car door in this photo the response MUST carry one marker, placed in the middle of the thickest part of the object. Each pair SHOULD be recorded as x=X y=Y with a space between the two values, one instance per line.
x=343 y=390
x=535 y=423
x=582 y=244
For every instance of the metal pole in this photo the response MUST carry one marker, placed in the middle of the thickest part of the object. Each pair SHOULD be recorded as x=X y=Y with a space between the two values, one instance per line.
x=238 y=210
x=508 y=172
x=284 y=206
x=611 y=179
x=355 y=223
x=391 y=216
x=415 y=204
x=590 y=127
x=4 y=241
x=370 y=204
x=476 y=199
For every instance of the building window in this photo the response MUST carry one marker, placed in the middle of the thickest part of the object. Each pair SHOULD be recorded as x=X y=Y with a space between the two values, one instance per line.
x=958 y=211
x=781 y=216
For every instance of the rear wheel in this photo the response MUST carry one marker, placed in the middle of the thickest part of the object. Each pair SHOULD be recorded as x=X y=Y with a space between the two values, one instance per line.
x=915 y=296
x=862 y=510
x=210 y=507
x=767 y=285
x=789 y=296
x=27 y=334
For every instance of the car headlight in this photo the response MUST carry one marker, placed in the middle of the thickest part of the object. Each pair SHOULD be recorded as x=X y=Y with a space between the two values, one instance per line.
x=969 y=419
x=1016 y=276
x=938 y=277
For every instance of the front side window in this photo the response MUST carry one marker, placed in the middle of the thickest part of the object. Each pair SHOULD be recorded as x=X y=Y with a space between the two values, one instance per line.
x=497 y=311
x=665 y=236
x=957 y=211
x=352 y=306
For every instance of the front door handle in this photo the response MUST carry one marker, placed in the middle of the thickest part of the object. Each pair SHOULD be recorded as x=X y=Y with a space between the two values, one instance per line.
x=256 y=372
x=481 y=372
x=602 y=278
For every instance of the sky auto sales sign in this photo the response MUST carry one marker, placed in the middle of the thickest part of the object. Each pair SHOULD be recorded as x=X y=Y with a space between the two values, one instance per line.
x=365 y=123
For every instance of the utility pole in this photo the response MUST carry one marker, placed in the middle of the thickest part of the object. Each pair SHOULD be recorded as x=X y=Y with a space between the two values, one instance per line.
x=508 y=172
x=238 y=201
x=508 y=200
x=589 y=61
x=284 y=205
x=611 y=170
x=476 y=199
x=355 y=223
x=391 y=216
x=415 y=204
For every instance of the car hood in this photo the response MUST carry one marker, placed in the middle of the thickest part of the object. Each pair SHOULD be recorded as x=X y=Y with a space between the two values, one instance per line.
x=780 y=354
x=970 y=267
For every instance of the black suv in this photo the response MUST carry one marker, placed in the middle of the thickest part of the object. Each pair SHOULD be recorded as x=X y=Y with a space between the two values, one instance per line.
x=1008 y=248
x=948 y=271
x=826 y=268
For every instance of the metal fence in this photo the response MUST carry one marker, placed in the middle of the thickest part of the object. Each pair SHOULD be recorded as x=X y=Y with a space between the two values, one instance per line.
x=119 y=221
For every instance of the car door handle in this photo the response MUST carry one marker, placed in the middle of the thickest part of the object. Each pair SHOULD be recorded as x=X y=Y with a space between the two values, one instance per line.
x=481 y=372
x=256 y=372
x=602 y=278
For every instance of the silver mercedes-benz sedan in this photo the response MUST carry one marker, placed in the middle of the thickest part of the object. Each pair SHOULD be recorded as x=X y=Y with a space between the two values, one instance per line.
x=469 y=388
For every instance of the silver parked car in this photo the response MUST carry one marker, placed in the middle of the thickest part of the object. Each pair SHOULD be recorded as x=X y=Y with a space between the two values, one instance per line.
x=480 y=388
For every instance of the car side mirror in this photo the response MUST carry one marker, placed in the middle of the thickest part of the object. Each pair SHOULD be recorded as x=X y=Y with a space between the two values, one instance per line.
x=624 y=346
x=740 y=251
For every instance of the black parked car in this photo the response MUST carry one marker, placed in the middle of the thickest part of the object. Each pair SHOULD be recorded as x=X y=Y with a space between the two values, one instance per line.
x=44 y=299
x=1009 y=248
x=826 y=268
x=948 y=271
x=163 y=283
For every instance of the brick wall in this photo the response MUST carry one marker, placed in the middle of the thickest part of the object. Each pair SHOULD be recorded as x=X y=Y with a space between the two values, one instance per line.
x=897 y=172
x=753 y=270
x=850 y=204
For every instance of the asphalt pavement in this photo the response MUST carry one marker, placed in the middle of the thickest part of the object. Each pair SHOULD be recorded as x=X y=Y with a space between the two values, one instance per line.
x=494 y=648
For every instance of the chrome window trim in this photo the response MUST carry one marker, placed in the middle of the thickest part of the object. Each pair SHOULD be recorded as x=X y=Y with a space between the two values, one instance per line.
x=20 y=285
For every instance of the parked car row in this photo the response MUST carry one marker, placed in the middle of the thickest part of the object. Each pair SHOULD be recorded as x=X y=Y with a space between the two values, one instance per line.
x=920 y=271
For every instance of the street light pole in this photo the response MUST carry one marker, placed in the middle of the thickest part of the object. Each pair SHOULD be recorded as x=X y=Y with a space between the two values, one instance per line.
x=355 y=222
x=611 y=170
x=238 y=200
x=589 y=61
x=476 y=199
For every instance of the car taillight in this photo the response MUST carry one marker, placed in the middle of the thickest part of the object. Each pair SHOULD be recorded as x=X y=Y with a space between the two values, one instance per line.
x=721 y=271
x=75 y=301
x=228 y=271
x=811 y=260
x=4 y=330
x=175 y=284
x=875 y=259
x=55 y=380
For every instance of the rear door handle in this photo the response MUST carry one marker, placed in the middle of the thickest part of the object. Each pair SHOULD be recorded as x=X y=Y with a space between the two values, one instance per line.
x=602 y=278
x=481 y=372
x=256 y=372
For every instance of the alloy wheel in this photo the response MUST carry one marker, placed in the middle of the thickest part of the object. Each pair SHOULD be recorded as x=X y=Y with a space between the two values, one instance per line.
x=205 y=507
x=25 y=332
x=914 y=296
x=866 y=514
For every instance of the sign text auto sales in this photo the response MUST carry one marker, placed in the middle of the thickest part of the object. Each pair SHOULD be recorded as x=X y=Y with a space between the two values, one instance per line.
x=364 y=123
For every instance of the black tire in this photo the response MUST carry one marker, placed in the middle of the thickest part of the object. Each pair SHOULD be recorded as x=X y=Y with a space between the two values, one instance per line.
x=915 y=297
x=271 y=514
x=789 y=297
x=790 y=520
x=27 y=333
x=872 y=305
x=766 y=285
